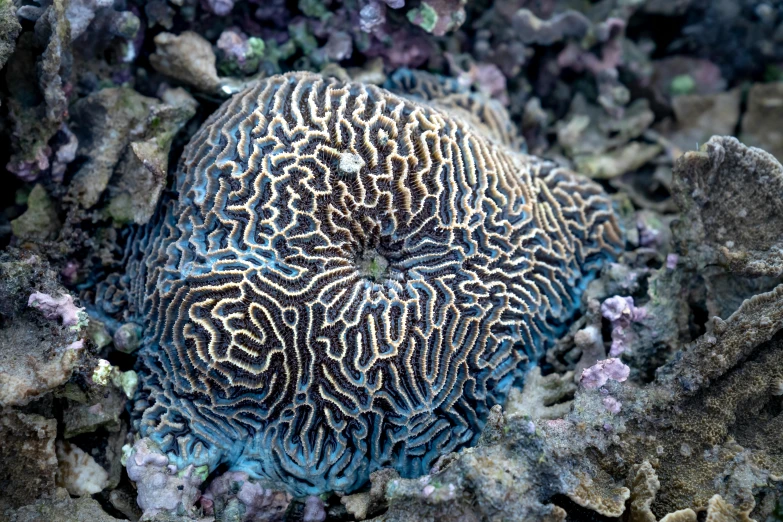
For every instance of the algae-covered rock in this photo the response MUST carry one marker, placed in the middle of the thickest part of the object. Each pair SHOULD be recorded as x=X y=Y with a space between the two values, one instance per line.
x=36 y=79
x=62 y=508
x=37 y=352
x=39 y=222
x=101 y=408
x=9 y=30
x=731 y=197
x=126 y=139
x=105 y=122
x=141 y=173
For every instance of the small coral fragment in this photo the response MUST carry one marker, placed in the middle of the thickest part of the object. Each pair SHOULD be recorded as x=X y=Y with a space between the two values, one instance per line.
x=127 y=338
x=601 y=496
x=621 y=312
x=188 y=58
x=542 y=397
x=314 y=510
x=602 y=371
x=682 y=515
x=78 y=472
x=644 y=486
x=438 y=16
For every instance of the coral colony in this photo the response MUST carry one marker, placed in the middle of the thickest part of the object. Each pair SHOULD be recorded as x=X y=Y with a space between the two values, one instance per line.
x=348 y=280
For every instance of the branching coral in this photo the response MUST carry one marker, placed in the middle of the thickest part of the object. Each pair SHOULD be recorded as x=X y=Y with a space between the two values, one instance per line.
x=311 y=323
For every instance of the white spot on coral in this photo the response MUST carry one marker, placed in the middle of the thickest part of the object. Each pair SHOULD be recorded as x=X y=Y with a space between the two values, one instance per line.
x=350 y=163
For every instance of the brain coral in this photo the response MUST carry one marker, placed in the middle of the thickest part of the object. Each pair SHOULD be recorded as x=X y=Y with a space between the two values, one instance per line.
x=349 y=280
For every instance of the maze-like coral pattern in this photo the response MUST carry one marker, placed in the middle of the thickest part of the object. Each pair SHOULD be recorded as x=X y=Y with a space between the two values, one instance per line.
x=349 y=280
x=488 y=116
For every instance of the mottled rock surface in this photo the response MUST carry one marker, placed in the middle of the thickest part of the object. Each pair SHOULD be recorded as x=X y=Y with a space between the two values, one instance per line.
x=28 y=464
x=37 y=354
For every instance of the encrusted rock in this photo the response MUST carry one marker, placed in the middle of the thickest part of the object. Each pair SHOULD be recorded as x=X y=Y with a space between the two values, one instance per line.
x=234 y=491
x=37 y=353
x=100 y=408
x=40 y=67
x=105 y=123
x=731 y=197
x=62 y=508
x=141 y=172
x=9 y=31
x=28 y=464
x=162 y=488
x=188 y=58
x=39 y=222
x=718 y=397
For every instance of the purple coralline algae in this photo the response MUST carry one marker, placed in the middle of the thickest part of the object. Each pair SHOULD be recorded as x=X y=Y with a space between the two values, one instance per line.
x=602 y=371
x=621 y=312
x=57 y=308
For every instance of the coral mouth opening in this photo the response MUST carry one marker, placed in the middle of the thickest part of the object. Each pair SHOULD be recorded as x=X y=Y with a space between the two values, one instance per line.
x=372 y=265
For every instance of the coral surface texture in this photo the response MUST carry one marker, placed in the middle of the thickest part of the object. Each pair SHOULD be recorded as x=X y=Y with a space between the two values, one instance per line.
x=349 y=279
